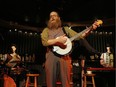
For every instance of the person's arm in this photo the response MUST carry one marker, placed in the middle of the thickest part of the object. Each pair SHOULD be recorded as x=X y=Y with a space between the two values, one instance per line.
x=60 y=39
x=94 y=26
x=101 y=59
x=71 y=33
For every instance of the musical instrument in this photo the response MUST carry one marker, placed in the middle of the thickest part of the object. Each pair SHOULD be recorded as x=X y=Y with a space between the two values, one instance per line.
x=63 y=49
x=8 y=81
x=12 y=60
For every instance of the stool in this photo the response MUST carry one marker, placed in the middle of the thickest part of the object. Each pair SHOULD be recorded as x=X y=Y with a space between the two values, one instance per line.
x=28 y=80
x=85 y=79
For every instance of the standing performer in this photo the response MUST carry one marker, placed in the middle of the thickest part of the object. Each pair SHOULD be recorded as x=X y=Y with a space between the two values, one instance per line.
x=13 y=63
x=54 y=37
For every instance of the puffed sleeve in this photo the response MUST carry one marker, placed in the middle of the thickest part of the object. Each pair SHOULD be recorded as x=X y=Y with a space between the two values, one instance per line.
x=44 y=37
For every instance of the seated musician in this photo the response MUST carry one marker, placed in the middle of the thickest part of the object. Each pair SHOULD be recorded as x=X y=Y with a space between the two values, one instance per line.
x=13 y=63
x=13 y=59
x=107 y=58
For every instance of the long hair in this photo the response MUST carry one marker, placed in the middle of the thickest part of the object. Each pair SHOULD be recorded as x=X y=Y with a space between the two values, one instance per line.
x=10 y=49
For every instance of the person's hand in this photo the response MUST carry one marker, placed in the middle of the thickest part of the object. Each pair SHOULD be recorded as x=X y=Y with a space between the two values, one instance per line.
x=96 y=24
x=62 y=39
